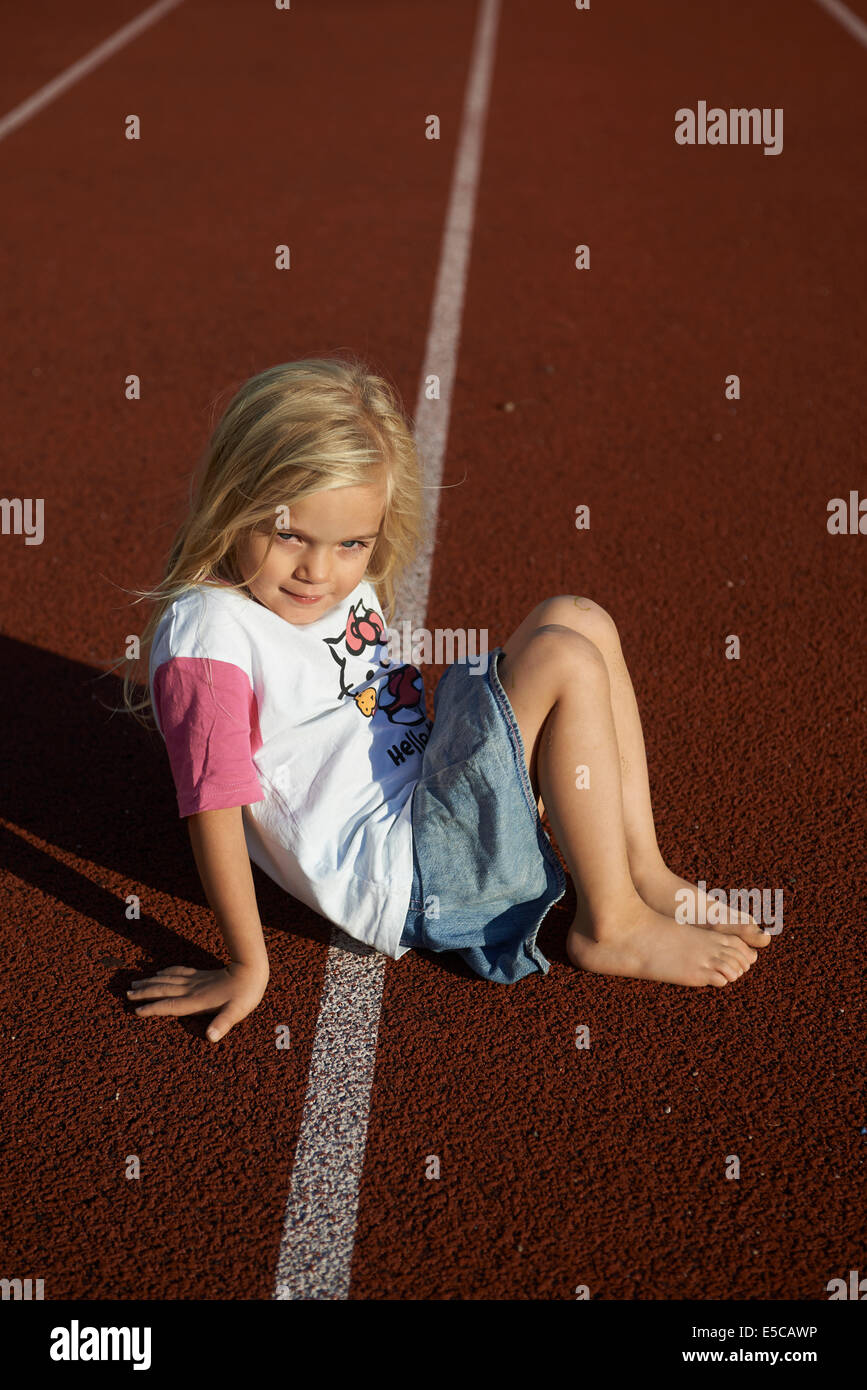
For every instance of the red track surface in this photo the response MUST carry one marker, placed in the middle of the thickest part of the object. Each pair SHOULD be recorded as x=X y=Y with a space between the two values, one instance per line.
x=559 y=1167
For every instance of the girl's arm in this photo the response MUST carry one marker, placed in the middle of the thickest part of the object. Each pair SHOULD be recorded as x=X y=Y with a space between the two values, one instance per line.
x=227 y=878
x=224 y=867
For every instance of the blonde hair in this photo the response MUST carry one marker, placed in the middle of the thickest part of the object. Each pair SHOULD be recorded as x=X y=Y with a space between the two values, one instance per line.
x=291 y=431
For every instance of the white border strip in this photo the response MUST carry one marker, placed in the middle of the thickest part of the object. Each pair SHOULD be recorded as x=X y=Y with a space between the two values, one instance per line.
x=857 y=28
x=315 y=1256
x=19 y=114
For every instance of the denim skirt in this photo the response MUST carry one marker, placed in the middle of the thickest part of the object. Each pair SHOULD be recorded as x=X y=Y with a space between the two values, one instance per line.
x=484 y=871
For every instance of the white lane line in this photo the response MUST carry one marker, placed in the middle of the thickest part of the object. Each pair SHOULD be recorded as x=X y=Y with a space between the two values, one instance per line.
x=444 y=332
x=857 y=28
x=315 y=1257
x=19 y=114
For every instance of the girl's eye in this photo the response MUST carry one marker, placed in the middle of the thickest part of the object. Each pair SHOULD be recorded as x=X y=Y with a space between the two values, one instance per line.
x=291 y=536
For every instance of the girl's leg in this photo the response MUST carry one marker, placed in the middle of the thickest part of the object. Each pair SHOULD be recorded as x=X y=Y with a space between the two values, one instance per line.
x=655 y=882
x=559 y=689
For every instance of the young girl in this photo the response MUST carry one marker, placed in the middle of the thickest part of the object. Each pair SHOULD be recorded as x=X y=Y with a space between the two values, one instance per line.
x=295 y=741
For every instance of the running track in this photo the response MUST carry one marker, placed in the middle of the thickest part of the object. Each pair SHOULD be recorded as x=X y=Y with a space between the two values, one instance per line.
x=559 y=1167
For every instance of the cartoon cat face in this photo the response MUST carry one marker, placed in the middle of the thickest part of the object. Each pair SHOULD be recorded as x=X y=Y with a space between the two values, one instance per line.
x=355 y=652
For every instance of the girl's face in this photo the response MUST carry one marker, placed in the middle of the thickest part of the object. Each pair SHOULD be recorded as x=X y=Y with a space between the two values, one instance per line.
x=320 y=558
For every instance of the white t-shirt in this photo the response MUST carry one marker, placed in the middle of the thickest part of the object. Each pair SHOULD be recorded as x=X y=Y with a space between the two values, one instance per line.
x=313 y=731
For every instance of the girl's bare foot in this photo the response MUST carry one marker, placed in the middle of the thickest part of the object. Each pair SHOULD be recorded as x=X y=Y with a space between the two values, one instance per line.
x=659 y=889
x=645 y=945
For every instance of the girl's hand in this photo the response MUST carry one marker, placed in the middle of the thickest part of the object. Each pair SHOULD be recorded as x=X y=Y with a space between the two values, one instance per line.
x=180 y=989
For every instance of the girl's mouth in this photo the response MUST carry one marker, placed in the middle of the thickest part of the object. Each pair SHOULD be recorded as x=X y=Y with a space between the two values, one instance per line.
x=303 y=598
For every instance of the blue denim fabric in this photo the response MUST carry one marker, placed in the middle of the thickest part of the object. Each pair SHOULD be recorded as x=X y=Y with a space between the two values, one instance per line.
x=481 y=857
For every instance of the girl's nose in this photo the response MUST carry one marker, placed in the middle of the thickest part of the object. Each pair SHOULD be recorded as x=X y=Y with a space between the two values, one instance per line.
x=313 y=568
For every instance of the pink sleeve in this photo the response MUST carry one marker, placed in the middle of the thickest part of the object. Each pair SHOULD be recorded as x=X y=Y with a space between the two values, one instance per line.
x=211 y=732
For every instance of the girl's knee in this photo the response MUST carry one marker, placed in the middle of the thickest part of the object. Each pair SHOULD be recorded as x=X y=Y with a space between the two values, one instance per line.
x=567 y=654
